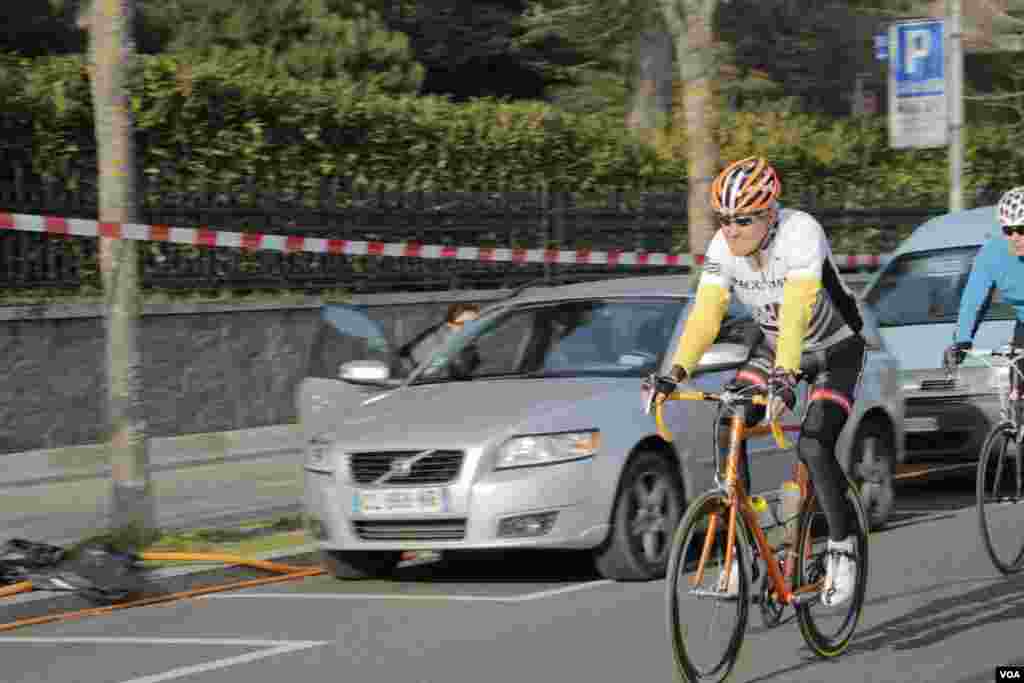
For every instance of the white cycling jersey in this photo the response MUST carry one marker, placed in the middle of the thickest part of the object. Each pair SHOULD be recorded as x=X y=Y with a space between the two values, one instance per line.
x=795 y=245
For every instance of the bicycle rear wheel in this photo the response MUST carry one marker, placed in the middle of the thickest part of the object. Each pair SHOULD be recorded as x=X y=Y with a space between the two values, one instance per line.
x=706 y=627
x=999 y=493
x=828 y=631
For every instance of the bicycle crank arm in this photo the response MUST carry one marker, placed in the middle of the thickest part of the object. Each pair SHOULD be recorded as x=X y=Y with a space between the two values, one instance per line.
x=702 y=594
x=799 y=599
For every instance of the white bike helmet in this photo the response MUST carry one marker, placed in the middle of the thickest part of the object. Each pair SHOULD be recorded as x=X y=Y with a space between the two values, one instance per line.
x=1011 y=207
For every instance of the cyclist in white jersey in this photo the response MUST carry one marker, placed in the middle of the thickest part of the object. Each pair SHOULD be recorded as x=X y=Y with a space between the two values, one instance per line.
x=779 y=263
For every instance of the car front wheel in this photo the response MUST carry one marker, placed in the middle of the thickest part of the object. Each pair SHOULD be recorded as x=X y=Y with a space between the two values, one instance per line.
x=648 y=506
x=352 y=564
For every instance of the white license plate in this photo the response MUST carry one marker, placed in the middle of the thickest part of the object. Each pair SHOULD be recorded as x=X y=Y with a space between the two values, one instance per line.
x=388 y=501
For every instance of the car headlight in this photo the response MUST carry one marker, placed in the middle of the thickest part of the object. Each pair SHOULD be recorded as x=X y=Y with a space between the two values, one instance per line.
x=318 y=451
x=545 y=449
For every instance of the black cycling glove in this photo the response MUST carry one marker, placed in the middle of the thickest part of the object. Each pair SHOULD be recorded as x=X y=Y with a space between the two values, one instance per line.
x=783 y=385
x=955 y=354
x=666 y=385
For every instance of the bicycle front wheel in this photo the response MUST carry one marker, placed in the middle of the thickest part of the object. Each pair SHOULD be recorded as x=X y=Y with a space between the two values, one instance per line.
x=999 y=492
x=827 y=631
x=707 y=620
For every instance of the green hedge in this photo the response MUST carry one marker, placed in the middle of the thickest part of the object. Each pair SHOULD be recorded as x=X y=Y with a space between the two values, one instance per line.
x=217 y=127
x=209 y=125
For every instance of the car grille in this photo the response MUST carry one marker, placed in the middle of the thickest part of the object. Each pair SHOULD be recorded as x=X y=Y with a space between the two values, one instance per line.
x=411 y=530
x=437 y=468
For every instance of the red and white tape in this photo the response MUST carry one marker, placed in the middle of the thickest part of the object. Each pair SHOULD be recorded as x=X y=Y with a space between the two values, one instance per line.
x=204 y=237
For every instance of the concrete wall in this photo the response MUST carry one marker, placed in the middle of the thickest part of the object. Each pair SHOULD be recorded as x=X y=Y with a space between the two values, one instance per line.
x=206 y=367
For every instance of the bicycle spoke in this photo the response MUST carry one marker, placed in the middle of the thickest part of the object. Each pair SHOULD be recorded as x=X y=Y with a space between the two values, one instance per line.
x=999 y=494
x=827 y=631
x=706 y=623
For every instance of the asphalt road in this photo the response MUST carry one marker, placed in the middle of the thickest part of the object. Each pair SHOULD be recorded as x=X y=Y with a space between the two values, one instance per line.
x=936 y=611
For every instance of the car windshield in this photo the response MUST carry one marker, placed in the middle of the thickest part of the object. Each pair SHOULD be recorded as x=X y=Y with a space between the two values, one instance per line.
x=925 y=287
x=563 y=339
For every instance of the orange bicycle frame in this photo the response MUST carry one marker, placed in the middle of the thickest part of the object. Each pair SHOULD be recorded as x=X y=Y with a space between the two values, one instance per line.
x=738 y=500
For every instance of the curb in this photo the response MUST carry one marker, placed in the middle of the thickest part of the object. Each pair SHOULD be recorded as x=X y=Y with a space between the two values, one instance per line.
x=170 y=580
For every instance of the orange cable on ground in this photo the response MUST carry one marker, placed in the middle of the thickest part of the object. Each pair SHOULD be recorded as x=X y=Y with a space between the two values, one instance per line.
x=217 y=557
x=291 y=573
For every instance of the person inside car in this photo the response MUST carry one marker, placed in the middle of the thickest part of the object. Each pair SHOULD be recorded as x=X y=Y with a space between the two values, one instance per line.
x=434 y=337
x=779 y=263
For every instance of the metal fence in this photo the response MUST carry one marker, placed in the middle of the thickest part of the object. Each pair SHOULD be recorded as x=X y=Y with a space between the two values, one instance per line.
x=625 y=220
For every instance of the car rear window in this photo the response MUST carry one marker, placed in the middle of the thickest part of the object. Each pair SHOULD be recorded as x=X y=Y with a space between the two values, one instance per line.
x=925 y=287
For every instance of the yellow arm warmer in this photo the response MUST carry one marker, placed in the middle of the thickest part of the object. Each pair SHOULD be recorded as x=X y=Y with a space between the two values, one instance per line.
x=702 y=325
x=798 y=297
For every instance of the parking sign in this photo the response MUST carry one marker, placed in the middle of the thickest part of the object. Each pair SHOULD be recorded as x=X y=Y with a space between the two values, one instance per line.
x=917 y=85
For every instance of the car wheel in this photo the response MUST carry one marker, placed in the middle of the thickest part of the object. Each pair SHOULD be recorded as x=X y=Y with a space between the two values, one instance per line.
x=648 y=506
x=352 y=564
x=871 y=469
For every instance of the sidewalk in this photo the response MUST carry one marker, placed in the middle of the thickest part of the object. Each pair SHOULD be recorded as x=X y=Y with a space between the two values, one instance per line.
x=71 y=463
x=58 y=495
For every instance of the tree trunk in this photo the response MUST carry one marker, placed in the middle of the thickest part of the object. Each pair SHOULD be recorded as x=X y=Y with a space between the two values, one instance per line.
x=651 y=99
x=690 y=22
x=112 y=52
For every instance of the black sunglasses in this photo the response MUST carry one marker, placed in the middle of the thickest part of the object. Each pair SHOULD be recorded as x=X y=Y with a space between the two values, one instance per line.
x=725 y=219
x=1013 y=230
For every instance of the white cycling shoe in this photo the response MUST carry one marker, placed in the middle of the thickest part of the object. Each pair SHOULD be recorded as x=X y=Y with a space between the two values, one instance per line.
x=841 y=574
x=733 y=589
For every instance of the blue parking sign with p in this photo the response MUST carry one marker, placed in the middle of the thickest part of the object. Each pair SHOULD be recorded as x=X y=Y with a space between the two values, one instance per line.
x=918 y=61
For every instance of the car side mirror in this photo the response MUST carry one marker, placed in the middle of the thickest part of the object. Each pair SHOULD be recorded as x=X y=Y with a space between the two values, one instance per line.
x=364 y=372
x=722 y=356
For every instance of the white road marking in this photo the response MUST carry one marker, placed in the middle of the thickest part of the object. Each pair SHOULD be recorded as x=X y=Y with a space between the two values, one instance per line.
x=221 y=663
x=400 y=596
x=561 y=591
x=272 y=648
x=116 y=640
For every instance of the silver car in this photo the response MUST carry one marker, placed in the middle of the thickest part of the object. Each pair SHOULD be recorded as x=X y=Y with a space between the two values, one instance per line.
x=527 y=430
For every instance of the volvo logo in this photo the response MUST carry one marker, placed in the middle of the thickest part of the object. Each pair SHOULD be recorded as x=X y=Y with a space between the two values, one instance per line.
x=401 y=467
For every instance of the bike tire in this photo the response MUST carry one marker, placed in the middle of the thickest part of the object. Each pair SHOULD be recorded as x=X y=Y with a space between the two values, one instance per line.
x=812 y=616
x=995 y=460
x=686 y=546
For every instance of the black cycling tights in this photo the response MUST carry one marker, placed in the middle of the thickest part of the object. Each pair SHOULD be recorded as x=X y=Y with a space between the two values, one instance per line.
x=833 y=374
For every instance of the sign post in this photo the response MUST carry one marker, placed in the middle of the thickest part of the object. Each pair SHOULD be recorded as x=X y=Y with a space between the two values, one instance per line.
x=956 y=109
x=918 y=108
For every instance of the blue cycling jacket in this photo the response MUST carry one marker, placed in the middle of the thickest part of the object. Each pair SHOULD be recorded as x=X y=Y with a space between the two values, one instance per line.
x=995 y=266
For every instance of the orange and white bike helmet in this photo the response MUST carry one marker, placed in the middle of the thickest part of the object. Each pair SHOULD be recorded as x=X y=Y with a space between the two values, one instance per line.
x=745 y=186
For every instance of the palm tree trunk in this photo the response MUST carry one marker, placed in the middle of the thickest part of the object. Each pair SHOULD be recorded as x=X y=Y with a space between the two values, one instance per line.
x=111 y=50
x=691 y=22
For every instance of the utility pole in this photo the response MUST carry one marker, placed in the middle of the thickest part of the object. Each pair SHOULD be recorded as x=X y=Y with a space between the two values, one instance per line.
x=113 y=65
x=955 y=69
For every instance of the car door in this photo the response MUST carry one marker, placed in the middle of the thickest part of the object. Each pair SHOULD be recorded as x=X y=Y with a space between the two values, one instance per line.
x=345 y=333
